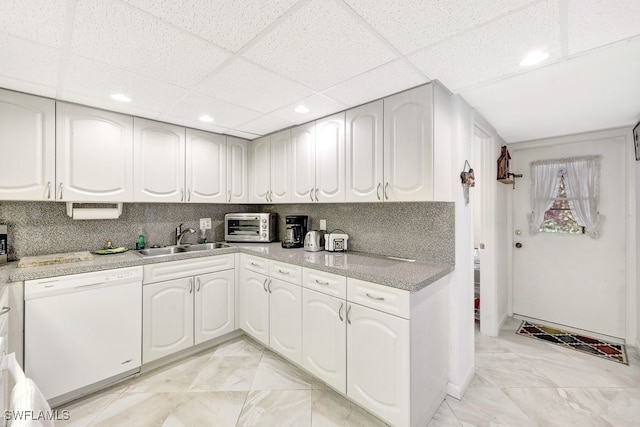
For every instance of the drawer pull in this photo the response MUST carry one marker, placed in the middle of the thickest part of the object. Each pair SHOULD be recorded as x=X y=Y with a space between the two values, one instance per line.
x=282 y=272
x=322 y=283
x=5 y=310
x=254 y=264
x=374 y=298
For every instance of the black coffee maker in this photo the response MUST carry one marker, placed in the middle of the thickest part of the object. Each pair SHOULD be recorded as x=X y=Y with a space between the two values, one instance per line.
x=296 y=229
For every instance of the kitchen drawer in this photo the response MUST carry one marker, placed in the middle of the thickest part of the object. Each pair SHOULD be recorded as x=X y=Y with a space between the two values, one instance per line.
x=327 y=283
x=287 y=272
x=384 y=298
x=189 y=267
x=254 y=263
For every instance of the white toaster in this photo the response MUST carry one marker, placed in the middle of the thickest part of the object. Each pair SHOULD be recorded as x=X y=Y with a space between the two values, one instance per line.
x=335 y=242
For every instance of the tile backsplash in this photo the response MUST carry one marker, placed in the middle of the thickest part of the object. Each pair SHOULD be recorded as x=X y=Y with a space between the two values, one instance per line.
x=420 y=230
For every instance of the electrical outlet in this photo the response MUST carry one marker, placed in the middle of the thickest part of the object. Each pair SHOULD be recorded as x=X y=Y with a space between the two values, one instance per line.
x=205 y=223
x=323 y=224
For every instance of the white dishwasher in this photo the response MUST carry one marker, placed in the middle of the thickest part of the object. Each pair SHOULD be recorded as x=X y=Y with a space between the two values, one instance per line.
x=82 y=331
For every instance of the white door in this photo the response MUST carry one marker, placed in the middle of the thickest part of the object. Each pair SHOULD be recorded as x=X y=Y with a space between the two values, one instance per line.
x=408 y=145
x=330 y=166
x=324 y=337
x=380 y=384
x=364 y=153
x=303 y=163
x=280 y=167
x=158 y=158
x=260 y=170
x=214 y=305
x=254 y=305
x=237 y=174
x=167 y=318
x=94 y=155
x=27 y=138
x=573 y=280
x=285 y=319
x=206 y=167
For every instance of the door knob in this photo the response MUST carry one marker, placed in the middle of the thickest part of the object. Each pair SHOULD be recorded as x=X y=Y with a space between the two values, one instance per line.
x=518 y=245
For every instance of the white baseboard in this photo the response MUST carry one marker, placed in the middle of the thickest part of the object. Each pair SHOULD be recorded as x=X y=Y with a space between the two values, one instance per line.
x=458 y=390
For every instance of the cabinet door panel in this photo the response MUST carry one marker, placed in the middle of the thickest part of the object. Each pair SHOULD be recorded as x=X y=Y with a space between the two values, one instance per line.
x=94 y=155
x=254 y=305
x=167 y=313
x=259 y=170
x=408 y=145
x=27 y=137
x=330 y=166
x=159 y=155
x=214 y=305
x=324 y=338
x=237 y=187
x=364 y=153
x=206 y=167
x=286 y=319
x=380 y=384
x=303 y=164
x=280 y=167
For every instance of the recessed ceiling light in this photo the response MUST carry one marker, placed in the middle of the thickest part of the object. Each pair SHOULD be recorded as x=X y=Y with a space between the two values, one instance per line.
x=205 y=118
x=120 y=97
x=534 y=58
x=301 y=109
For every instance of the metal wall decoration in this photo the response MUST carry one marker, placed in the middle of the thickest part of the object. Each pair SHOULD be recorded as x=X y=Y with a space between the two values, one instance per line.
x=636 y=140
x=504 y=176
x=468 y=180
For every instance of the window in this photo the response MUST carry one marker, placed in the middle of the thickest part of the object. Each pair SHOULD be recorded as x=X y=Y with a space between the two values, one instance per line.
x=559 y=218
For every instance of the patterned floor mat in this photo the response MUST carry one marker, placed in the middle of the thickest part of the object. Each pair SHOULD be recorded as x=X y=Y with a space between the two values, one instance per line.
x=607 y=350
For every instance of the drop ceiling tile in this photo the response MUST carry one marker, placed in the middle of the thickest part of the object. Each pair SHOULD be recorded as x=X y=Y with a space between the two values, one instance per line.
x=224 y=114
x=106 y=104
x=97 y=80
x=320 y=45
x=319 y=106
x=243 y=83
x=125 y=37
x=39 y=21
x=594 y=23
x=265 y=124
x=410 y=25
x=493 y=51
x=227 y=23
x=385 y=80
x=27 y=61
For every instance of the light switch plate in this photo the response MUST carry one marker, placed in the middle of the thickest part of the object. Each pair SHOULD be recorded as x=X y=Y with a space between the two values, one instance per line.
x=205 y=223
x=323 y=224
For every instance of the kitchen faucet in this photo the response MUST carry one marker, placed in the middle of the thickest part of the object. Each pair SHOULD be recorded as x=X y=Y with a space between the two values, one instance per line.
x=180 y=233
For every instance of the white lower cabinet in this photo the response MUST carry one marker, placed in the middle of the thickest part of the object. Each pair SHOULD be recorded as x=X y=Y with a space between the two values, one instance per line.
x=285 y=319
x=214 y=305
x=254 y=305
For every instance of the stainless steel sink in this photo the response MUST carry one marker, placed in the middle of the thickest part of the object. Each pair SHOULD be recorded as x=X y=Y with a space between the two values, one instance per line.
x=178 y=249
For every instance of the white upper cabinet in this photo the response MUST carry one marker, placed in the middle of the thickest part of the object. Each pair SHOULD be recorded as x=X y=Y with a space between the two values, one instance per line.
x=237 y=173
x=364 y=153
x=280 y=170
x=408 y=145
x=27 y=143
x=159 y=159
x=329 y=159
x=303 y=165
x=260 y=170
x=206 y=167
x=94 y=155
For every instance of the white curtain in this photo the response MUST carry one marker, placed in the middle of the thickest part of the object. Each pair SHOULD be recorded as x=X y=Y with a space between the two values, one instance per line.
x=582 y=187
x=544 y=188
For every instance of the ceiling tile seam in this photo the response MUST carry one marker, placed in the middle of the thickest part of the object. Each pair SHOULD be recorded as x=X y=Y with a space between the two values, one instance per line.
x=279 y=75
x=367 y=26
x=65 y=47
x=563 y=26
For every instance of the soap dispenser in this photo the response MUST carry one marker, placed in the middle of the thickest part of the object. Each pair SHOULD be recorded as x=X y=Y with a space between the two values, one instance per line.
x=140 y=243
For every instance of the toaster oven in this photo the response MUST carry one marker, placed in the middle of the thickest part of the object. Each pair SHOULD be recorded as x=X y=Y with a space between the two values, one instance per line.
x=250 y=227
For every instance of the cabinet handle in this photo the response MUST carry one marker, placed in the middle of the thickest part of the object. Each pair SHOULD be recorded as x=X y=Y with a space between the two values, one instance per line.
x=348 y=312
x=317 y=189
x=322 y=283
x=264 y=285
x=182 y=195
x=266 y=196
x=188 y=194
x=60 y=191
x=190 y=285
x=269 y=286
x=378 y=190
x=283 y=272
x=5 y=310
x=340 y=312
x=271 y=196
x=311 y=194
x=386 y=196
x=254 y=264
x=198 y=282
x=48 y=189
x=229 y=196
x=374 y=298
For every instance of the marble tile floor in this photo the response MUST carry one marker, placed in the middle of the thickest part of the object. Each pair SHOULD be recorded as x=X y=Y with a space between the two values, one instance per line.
x=519 y=382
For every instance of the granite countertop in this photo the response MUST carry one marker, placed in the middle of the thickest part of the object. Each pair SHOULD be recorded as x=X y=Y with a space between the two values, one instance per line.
x=410 y=276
